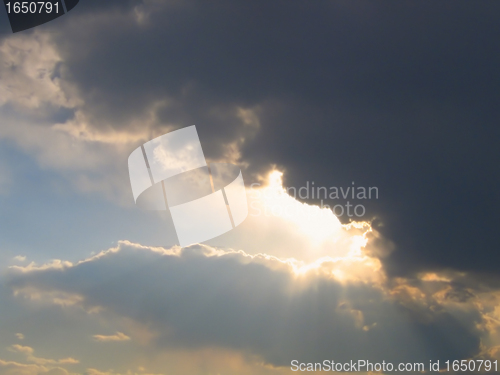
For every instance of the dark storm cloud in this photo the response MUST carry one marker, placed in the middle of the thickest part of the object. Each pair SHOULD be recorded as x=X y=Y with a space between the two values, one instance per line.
x=399 y=95
x=207 y=299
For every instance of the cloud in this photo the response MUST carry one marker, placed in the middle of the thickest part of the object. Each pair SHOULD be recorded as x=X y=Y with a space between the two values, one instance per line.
x=15 y=368
x=287 y=228
x=50 y=116
x=118 y=336
x=28 y=352
x=21 y=349
x=397 y=100
x=376 y=108
x=204 y=297
x=28 y=68
x=20 y=336
x=198 y=362
x=81 y=115
x=329 y=293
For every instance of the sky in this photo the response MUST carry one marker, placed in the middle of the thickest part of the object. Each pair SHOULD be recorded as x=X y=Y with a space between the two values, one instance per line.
x=397 y=99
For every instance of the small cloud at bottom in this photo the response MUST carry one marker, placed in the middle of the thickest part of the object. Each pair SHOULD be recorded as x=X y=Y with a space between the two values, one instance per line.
x=118 y=336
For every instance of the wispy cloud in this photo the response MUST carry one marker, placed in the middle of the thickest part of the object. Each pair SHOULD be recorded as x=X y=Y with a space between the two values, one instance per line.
x=15 y=368
x=21 y=349
x=118 y=336
x=28 y=352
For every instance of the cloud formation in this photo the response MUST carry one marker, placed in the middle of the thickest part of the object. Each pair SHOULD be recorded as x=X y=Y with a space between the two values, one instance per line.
x=391 y=103
x=402 y=96
x=28 y=352
x=118 y=336
x=260 y=305
x=15 y=368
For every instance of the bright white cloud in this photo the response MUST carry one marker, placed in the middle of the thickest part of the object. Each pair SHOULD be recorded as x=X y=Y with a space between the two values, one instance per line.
x=287 y=228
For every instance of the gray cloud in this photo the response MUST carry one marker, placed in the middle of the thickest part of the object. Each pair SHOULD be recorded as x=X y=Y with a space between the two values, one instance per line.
x=201 y=297
x=401 y=96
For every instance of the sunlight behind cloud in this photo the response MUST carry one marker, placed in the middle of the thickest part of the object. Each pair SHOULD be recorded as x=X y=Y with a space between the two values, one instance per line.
x=319 y=224
x=309 y=237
